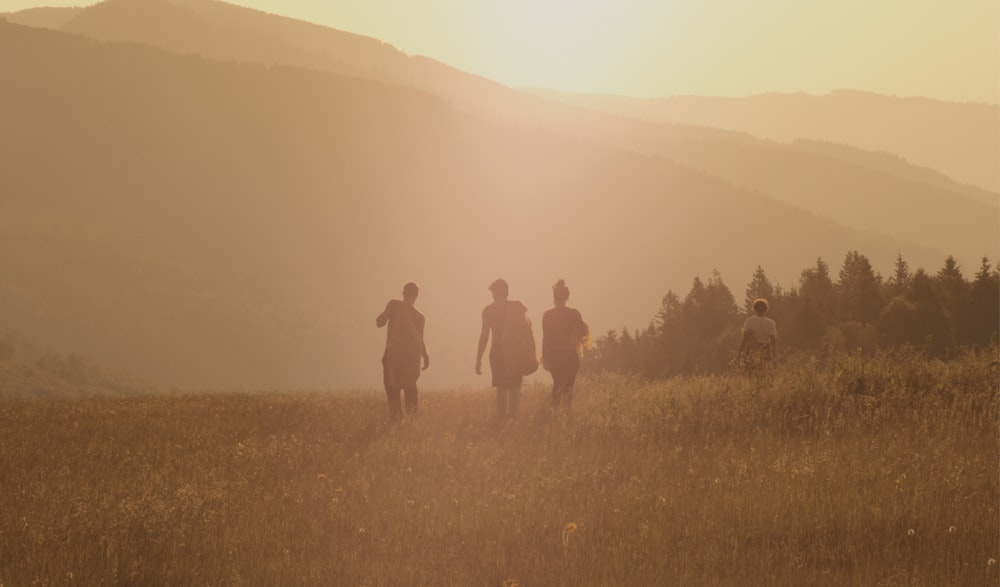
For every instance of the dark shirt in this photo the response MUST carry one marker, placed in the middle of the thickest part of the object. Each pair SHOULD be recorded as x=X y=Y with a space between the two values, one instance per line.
x=494 y=316
x=562 y=330
x=405 y=332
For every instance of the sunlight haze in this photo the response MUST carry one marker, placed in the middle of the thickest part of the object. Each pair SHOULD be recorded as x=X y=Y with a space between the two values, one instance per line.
x=948 y=51
x=295 y=176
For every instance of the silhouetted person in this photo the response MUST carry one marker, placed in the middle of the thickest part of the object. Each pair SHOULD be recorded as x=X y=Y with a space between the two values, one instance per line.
x=760 y=337
x=404 y=347
x=563 y=333
x=494 y=316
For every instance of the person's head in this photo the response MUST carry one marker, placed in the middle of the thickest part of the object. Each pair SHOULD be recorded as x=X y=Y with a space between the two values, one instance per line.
x=410 y=291
x=499 y=289
x=560 y=293
x=760 y=306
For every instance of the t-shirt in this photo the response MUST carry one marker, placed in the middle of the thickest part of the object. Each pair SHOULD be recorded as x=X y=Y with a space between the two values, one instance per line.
x=562 y=329
x=762 y=327
x=405 y=333
x=494 y=316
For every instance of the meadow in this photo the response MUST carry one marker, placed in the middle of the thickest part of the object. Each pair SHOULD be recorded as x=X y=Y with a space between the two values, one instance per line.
x=838 y=470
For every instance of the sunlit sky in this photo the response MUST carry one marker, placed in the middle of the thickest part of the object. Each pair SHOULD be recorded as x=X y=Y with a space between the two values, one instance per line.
x=945 y=50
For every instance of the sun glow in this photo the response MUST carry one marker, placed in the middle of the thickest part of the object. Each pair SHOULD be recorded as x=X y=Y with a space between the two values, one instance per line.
x=714 y=47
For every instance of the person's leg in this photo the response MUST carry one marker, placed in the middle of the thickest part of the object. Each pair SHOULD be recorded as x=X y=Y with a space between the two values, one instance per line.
x=391 y=391
x=411 y=400
x=514 y=394
x=570 y=380
x=558 y=388
x=501 y=402
x=567 y=394
x=395 y=409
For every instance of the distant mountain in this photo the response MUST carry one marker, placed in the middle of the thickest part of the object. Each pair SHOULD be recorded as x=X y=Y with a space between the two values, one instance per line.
x=961 y=140
x=860 y=189
x=47 y=18
x=225 y=224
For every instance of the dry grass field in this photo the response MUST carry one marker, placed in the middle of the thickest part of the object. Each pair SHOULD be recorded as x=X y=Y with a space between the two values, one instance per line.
x=840 y=471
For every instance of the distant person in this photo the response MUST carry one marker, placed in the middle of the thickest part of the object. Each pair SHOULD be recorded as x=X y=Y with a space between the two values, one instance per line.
x=404 y=347
x=760 y=338
x=563 y=334
x=511 y=351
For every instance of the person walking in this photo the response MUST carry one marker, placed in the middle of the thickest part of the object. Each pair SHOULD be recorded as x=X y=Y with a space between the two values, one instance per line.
x=404 y=348
x=759 y=343
x=563 y=334
x=505 y=377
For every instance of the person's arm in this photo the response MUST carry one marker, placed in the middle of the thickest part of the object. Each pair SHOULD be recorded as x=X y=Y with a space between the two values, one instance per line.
x=745 y=341
x=584 y=329
x=484 y=336
x=423 y=345
x=382 y=318
x=546 y=338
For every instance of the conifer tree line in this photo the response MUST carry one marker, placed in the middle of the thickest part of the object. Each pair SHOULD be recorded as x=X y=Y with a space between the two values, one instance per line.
x=856 y=309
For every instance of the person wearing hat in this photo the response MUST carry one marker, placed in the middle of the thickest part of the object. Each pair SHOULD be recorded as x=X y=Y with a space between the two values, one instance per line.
x=508 y=384
x=404 y=347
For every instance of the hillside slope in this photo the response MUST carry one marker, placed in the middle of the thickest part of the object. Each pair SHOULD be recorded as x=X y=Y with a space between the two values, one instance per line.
x=961 y=140
x=236 y=225
x=850 y=186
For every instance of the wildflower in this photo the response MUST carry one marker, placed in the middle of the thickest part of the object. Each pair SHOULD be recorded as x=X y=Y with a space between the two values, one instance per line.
x=568 y=529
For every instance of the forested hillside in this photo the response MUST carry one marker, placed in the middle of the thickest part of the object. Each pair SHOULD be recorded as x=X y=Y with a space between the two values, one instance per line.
x=937 y=313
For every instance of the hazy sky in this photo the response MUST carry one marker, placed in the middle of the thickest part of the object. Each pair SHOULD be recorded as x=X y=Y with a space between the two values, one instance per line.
x=947 y=50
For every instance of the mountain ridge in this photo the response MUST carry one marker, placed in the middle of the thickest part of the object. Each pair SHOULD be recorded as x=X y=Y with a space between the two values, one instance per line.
x=247 y=233
x=122 y=20
x=787 y=117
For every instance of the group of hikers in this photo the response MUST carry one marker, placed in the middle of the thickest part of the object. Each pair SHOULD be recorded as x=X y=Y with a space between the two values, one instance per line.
x=512 y=354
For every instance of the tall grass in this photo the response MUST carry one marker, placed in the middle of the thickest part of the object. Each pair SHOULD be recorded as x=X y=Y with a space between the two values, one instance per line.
x=850 y=470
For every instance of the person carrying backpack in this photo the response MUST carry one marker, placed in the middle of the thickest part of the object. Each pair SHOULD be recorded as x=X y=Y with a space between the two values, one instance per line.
x=512 y=351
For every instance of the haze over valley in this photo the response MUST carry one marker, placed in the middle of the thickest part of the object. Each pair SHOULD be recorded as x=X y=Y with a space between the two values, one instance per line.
x=209 y=196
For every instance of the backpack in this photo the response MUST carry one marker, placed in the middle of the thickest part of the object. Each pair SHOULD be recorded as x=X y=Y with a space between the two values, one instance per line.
x=519 y=354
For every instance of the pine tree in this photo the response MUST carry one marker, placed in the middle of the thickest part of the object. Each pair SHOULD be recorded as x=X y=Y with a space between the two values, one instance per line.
x=816 y=302
x=985 y=306
x=759 y=287
x=955 y=300
x=858 y=290
x=900 y=280
x=932 y=325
